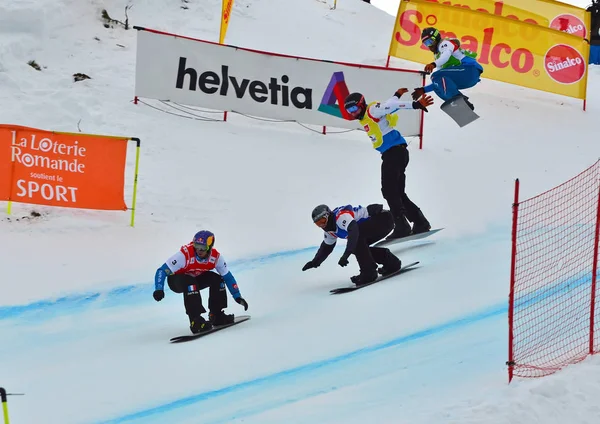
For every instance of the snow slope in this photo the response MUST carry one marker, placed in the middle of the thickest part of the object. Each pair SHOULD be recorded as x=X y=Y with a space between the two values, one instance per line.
x=437 y=337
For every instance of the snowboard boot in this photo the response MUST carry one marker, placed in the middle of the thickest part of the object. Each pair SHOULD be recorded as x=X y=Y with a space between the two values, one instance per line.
x=421 y=225
x=401 y=228
x=458 y=97
x=220 y=318
x=364 y=277
x=199 y=324
x=392 y=264
x=469 y=103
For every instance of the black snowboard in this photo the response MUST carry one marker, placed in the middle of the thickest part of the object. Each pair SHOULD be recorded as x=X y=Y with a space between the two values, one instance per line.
x=387 y=242
x=341 y=290
x=187 y=338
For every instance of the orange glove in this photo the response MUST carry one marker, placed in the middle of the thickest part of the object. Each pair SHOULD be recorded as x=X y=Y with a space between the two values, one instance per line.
x=400 y=92
x=423 y=102
x=429 y=67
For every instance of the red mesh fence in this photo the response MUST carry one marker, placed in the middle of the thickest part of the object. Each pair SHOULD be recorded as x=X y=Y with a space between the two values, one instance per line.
x=553 y=315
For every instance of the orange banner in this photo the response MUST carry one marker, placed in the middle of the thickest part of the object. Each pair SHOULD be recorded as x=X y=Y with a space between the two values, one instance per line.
x=82 y=171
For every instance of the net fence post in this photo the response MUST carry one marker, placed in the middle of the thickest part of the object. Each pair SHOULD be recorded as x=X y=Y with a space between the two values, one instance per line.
x=552 y=300
x=511 y=295
x=594 y=276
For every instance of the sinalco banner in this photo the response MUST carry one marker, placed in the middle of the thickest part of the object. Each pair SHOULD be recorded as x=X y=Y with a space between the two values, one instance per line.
x=62 y=169
x=548 y=13
x=200 y=73
x=510 y=50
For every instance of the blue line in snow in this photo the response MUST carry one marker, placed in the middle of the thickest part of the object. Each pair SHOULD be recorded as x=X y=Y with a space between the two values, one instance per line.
x=524 y=301
x=119 y=295
x=303 y=369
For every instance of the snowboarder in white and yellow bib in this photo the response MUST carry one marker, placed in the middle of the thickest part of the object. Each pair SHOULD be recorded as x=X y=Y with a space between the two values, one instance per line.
x=379 y=121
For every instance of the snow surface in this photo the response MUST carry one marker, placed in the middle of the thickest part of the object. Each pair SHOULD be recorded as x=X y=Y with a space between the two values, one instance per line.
x=82 y=337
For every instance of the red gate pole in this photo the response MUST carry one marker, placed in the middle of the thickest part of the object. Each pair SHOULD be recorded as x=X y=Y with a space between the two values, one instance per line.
x=511 y=296
x=422 y=122
x=594 y=272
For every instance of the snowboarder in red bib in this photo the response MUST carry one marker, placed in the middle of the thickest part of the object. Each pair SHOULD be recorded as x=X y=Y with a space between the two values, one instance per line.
x=191 y=270
x=457 y=68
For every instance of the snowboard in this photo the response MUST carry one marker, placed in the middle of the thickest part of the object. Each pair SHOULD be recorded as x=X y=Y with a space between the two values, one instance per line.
x=348 y=289
x=387 y=242
x=188 y=337
x=457 y=109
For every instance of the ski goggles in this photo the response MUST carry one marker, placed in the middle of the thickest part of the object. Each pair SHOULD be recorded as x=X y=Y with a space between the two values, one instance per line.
x=321 y=222
x=201 y=247
x=428 y=42
x=352 y=109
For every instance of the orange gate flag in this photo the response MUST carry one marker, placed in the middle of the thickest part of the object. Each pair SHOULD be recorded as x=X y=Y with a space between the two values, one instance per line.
x=509 y=50
x=225 y=16
x=62 y=169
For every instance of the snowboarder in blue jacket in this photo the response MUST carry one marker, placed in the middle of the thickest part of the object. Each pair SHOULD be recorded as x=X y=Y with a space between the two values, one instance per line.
x=458 y=68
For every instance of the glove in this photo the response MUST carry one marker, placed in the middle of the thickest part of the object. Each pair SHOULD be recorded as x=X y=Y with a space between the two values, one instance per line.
x=423 y=102
x=158 y=295
x=309 y=265
x=429 y=67
x=242 y=302
x=400 y=92
x=418 y=92
x=343 y=261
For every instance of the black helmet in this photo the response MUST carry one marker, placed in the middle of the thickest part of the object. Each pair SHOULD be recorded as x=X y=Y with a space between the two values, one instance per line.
x=431 y=34
x=355 y=105
x=319 y=212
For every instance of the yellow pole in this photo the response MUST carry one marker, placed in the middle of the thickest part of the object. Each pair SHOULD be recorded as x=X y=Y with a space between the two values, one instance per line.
x=334 y=4
x=4 y=405
x=135 y=179
x=5 y=410
x=9 y=207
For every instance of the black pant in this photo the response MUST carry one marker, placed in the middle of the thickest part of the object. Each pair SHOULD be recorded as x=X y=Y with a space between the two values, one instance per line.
x=371 y=231
x=191 y=286
x=393 y=183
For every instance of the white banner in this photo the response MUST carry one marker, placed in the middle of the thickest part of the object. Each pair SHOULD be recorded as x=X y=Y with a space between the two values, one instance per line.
x=201 y=73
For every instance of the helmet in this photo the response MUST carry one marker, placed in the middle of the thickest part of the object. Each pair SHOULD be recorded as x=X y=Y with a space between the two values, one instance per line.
x=320 y=215
x=430 y=36
x=203 y=241
x=355 y=105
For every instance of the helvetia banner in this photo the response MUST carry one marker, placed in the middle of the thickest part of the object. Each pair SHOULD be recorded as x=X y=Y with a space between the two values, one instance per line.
x=510 y=50
x=62 y=169
x=201 y=73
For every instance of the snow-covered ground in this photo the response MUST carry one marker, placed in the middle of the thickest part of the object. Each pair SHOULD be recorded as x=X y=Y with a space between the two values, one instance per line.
x=82 y=337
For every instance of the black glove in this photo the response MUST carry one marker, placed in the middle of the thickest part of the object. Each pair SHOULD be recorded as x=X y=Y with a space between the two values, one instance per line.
x=309 y=265
x=343 y=260
x=417 y=93
x=158 y=295
x=242 y=302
